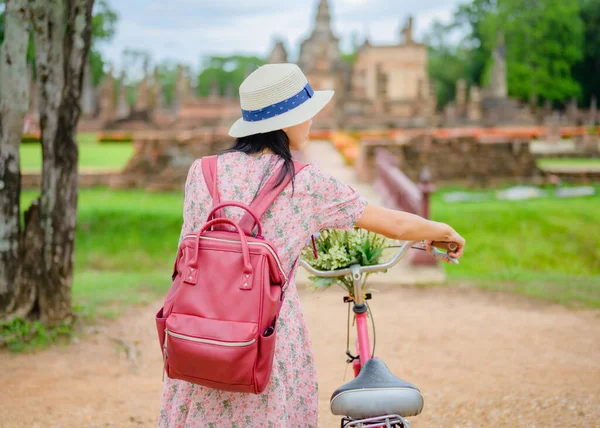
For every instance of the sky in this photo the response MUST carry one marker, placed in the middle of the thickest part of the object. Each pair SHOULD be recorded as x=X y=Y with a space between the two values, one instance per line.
x=185 y=31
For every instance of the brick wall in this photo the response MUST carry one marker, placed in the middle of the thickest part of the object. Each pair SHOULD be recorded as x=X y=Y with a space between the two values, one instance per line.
x=458 y=160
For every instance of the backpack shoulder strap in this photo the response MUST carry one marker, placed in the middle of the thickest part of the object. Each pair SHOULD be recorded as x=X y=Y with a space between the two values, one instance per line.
x=209 y=171
x=267 y=196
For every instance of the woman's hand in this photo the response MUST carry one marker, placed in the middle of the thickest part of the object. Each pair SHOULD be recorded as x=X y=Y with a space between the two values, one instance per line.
x=454 y=245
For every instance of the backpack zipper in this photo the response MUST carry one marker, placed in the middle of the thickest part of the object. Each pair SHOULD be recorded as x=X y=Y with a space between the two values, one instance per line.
x=192 y=235
x=209 y=341
x=165 y=354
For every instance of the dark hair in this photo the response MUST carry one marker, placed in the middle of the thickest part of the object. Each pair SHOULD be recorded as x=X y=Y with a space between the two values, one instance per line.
x=275 y=141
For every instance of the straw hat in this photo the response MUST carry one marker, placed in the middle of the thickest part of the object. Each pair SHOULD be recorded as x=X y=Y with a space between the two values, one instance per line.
x=276 y=96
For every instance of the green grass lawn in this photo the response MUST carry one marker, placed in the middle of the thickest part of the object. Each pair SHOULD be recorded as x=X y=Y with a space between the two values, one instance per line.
x=92 y=155
x=568 y=163
x=548 y=248
x=125 y=247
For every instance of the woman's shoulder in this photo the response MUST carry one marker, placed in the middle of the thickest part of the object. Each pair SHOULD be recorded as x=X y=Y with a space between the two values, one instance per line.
x=313 y=173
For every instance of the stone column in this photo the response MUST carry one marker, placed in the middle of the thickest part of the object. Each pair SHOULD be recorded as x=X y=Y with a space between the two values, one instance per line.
x=474 y=114
x=593 y=111
x=450 y=113
x=498 y=86
x=123 y=108
x=157 y=101
x=107 y=97
x=572 y=112
x=461 y=97
x=182 y=88
x=142 y=99
x=430 y=100
x=381 y=101
x=552 y=122
x=188 y=88
x=406 y=34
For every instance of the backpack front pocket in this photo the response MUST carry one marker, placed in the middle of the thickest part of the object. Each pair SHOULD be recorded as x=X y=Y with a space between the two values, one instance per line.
x=212 y=350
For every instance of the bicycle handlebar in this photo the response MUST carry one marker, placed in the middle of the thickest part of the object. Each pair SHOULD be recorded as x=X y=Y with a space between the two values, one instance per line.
x=451 y=246
x=357 y=269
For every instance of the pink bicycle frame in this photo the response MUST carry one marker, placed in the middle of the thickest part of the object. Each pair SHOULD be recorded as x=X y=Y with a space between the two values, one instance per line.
x=363 y=344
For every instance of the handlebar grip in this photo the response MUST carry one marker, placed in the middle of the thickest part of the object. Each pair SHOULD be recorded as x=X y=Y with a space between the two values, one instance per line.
x=448 y=246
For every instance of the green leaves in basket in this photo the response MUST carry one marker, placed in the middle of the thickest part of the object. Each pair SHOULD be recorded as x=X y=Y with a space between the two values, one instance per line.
x=339 y=249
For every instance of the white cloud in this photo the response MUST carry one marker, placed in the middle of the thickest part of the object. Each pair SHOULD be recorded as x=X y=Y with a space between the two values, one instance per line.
x=187 y=30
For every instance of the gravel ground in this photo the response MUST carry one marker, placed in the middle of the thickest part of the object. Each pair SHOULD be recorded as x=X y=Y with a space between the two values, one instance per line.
x=481 y=360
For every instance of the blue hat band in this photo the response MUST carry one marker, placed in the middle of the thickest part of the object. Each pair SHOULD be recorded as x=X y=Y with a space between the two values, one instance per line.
x=279 y=108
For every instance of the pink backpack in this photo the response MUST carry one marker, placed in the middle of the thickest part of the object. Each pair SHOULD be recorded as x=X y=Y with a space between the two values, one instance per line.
x=217 y=325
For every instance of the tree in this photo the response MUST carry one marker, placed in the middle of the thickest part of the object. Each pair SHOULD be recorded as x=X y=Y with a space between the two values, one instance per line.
x=36 y=262
x=227 y=71
x=104 y=25
x=544 y=40
x=14 y=103
x=479 y=51
x=447 y=62
x=588 y=69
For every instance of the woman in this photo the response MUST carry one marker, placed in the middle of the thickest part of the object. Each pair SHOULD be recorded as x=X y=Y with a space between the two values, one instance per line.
x=278 y=105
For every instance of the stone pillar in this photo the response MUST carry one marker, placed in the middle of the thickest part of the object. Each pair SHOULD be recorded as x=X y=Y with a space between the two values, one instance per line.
x=427 y=188
x=381 y=100
x=107 y=97
x=156 y=101
x=475 y=113
x=278 y=54
x=450 y=113
x=572 y=111
x=427 y=99
x=461 y=97
x=552 y=122
x=593 y=111
x=498 y=87
x=123 y=108
x=406 y=34
x=188 y=88
x=192 y=85
x=142 y=99
x=178 y=97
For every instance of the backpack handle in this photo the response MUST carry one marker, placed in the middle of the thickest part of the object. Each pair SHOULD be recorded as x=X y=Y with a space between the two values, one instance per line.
x=246 y=208
x=191 y=276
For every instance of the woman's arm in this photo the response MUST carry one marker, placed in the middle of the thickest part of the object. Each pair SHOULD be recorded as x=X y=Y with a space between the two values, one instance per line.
x=409 y=227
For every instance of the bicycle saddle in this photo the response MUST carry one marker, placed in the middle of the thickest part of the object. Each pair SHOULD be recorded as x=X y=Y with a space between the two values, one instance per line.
x=376 y=392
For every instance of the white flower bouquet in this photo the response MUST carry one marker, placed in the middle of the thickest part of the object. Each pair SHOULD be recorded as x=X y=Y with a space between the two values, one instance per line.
x=337 y=249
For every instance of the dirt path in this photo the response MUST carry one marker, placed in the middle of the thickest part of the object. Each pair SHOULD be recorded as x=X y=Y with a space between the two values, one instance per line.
x=480 y=359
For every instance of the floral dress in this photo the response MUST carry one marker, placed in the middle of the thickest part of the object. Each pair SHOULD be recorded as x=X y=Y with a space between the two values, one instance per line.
x=317 y=201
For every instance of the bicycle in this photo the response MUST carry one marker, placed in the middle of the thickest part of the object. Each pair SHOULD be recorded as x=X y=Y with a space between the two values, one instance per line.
x=375 y=397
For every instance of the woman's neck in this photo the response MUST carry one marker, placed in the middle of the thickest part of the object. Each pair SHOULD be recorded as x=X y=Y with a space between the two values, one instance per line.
x=265 y=151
